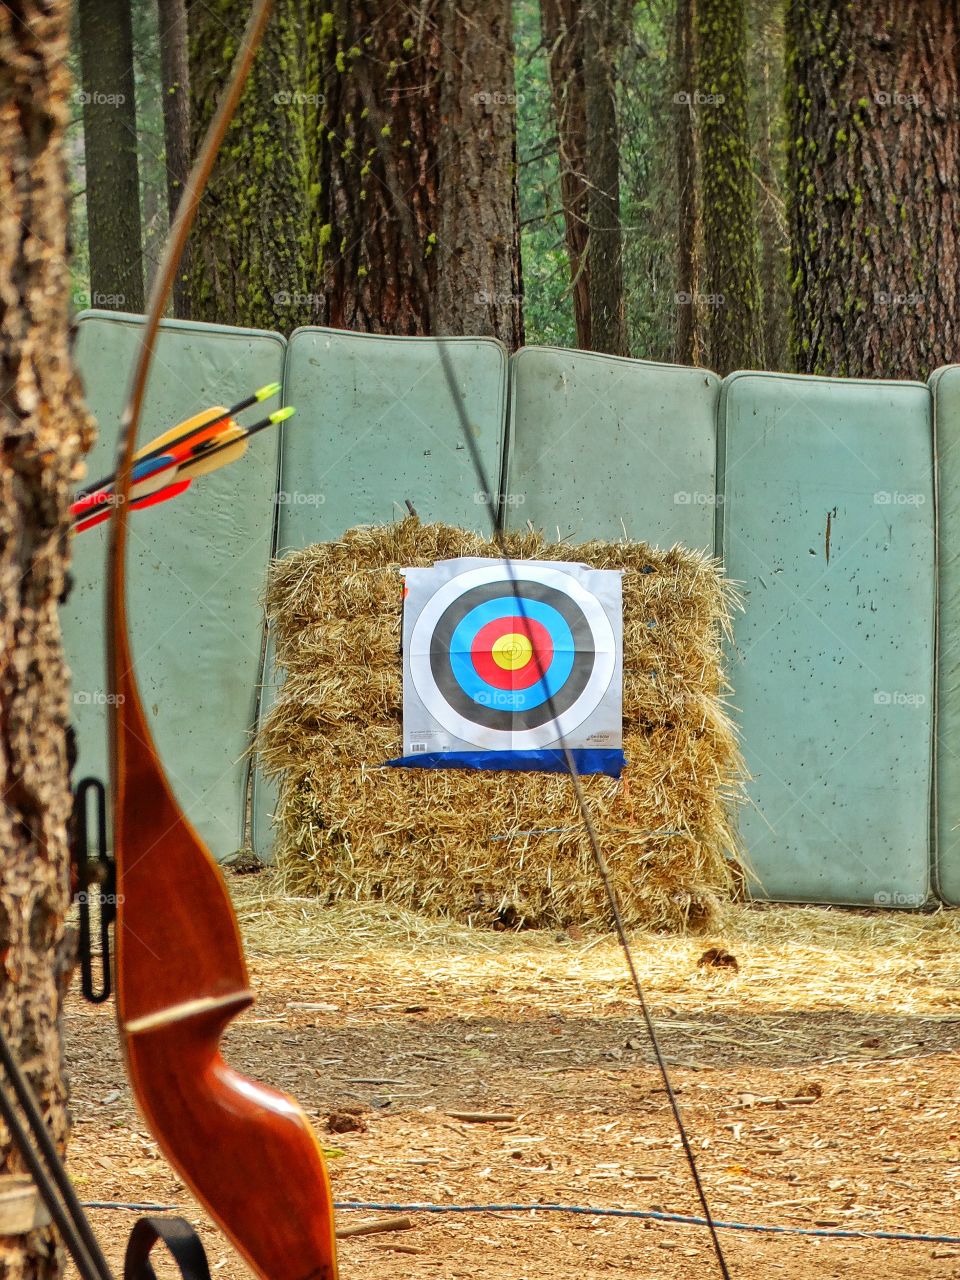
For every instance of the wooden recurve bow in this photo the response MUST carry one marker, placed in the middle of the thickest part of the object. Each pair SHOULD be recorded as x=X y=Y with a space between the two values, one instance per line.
x=247 y=1152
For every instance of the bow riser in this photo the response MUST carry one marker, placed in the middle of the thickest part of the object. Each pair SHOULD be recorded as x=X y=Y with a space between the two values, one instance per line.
x=246 y=1151
x=243 y=1138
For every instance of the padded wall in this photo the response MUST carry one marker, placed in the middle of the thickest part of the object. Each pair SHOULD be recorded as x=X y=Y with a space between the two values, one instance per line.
x=196 y=571
x=375 y=426
x=828 y=521
x=945 y=386
x=603 y=447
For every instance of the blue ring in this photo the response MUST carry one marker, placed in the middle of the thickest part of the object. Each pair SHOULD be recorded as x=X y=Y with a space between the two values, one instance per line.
x=481 y=691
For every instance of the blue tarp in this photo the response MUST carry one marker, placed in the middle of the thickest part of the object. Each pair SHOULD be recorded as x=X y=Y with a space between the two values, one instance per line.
x=605 y=761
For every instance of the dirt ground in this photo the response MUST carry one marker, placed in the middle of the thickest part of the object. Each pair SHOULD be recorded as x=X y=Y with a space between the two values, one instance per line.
x=819 y=1084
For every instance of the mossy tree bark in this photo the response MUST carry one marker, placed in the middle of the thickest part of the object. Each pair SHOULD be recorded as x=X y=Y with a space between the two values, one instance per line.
x=110 y=155
x=765 y=65
x=563 y=36
x=602 y=36
x=730 y=278
x=687 y=334
x=175 y=86
x=374 y=163
x=583 y=47
x=249 y=246
x=413 y=168
x=479 y=287
x=874 y=181
x=45 y=431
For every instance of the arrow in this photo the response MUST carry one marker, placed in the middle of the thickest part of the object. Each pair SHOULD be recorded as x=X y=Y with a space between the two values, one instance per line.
x=228 y=446
x=165 y=476
x=201 y=426
x=148 y=476
x=148 y=500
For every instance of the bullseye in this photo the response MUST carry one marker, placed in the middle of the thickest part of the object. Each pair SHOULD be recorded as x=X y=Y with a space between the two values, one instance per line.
x=512 y=652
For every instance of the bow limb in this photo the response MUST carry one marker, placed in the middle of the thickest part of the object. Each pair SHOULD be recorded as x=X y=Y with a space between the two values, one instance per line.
x=246 y=1151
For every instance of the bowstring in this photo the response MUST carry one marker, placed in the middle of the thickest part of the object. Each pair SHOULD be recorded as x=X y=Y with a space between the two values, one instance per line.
x=584 y=808
x=495 y=512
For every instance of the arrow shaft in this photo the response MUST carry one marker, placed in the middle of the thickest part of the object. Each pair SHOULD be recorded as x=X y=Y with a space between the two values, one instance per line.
x=191 y=430
x=165 y=476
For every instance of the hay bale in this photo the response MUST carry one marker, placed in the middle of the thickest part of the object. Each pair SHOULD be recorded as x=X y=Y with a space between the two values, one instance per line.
x=499 y=847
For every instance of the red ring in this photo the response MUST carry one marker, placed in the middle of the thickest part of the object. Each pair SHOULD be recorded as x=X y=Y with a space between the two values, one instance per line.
x=481 y=653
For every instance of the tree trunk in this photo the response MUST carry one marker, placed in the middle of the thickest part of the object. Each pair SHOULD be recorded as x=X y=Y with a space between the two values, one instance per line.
x=601 y=34
x=248 y=264
x=175 y=86
x=377 y=133
x=687 y=335
x=110 y=149
x=478 y=235
x=45 y=430
x=873 y=179
x=563 y=37
x=730 y=279
x=766 y=80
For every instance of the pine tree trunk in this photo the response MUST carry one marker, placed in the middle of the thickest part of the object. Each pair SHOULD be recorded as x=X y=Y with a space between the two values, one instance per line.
x=730 y=278
x=563 y=37
x=377 y=133
x=605 y=252
x=45 y=431
x=687 y=336
x=874 y=179
x=479 y=287
x=249 y=245
x=766 y=78
x=110 y=150
x=175 y=86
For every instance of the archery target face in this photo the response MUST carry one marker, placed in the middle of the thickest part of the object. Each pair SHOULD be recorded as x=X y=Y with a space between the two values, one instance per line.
x=507 y=663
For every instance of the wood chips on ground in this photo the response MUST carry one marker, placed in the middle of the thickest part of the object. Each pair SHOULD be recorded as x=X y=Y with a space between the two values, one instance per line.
x=818 y=1080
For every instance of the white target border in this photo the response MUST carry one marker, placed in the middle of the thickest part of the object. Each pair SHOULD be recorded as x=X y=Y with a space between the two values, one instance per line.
x=604 y=667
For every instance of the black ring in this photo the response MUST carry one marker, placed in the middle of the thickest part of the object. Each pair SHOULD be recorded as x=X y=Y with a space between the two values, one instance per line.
x=493 y=717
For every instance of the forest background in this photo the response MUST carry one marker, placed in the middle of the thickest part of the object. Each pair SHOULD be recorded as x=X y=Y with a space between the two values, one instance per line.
x=722 y=182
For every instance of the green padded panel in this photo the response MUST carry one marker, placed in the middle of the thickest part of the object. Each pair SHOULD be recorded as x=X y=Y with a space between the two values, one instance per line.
x=945 y=386
x=196 y=571
x=376 y=425
x=601 y=447
x=832 y=668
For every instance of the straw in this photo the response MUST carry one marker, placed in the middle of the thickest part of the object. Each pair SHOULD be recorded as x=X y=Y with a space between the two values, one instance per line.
x=500 y=848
